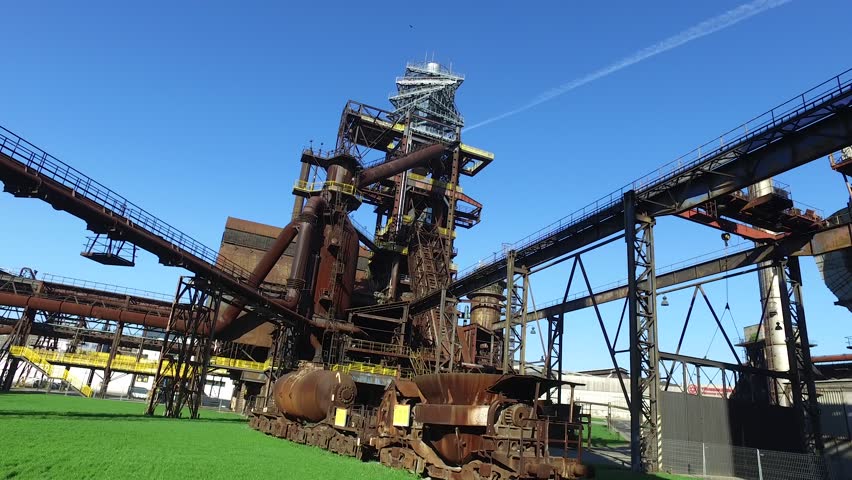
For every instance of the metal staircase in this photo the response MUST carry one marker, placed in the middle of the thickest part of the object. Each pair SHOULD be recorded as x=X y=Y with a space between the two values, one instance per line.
x=40 y=362
x=429 y=270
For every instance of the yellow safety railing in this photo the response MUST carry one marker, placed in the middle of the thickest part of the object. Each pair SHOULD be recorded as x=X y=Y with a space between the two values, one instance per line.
x=226 y=362
x=395 y=126
x=366 y=368
x=476 y=151
x=313 y=187
x=431 y=181
x=77 y=383
x=446 y=232
x=128 y=363
x=399 y=127
x=40 y=361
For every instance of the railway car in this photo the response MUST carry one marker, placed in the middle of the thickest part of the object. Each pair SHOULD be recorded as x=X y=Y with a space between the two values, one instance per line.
x=454 y=426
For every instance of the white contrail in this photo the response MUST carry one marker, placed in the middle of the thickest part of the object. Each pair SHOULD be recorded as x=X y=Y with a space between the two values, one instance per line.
x=712 y=25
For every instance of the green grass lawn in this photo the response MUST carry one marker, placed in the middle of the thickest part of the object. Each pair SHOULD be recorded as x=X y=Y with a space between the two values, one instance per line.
x=53 y=436
x=603 y=437
x=616 y=473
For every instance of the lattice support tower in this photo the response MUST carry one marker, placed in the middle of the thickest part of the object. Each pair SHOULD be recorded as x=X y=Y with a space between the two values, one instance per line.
x=553 y=359
x=517 y=294
x=185 y=354
x=802 y=386
x=645 y=424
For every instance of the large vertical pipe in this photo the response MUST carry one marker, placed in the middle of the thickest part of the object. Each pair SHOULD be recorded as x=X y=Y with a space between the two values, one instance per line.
x=304 y=226
x=775 y=347
x=298 y=202
x=393 y=281
x=301 y=256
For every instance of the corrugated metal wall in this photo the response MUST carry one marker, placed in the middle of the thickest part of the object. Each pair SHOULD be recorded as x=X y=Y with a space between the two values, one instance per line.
x=693 y=418
x=835 y=412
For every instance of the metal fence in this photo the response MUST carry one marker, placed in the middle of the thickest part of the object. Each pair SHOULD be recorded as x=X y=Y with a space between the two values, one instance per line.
x=710 y=460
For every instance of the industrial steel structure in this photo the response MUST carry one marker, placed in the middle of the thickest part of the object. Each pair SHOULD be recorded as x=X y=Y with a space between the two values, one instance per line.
x=370 y=359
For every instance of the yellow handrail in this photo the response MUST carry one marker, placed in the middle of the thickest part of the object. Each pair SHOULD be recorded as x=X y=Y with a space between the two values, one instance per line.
x=312 y=187
x=40 y=361
x=366 y=368
x=127 y=363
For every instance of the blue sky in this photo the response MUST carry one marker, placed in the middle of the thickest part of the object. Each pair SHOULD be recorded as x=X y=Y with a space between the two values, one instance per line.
x=199 y=111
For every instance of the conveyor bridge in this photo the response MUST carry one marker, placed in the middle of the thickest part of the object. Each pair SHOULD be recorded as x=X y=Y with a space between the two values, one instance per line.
x=803 y=129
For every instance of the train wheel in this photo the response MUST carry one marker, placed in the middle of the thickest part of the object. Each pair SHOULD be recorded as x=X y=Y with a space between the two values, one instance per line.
x=385 y=457
x=350 y=446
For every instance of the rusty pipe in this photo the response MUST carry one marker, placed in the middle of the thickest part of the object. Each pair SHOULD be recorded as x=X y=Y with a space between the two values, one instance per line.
x=260 y=272
x=307 y=220
x=843 y=357
x=317 y=347
x=303 y=225
x=418 y=158
x=91 y=311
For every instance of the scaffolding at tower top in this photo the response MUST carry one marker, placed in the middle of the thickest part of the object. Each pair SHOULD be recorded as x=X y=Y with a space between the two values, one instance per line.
x=428 y=90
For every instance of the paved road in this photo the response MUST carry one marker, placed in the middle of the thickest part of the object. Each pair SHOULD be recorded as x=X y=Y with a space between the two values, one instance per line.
x=618 y=455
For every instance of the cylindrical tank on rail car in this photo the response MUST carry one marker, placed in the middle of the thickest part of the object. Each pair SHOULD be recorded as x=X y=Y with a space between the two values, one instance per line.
x=310 y=394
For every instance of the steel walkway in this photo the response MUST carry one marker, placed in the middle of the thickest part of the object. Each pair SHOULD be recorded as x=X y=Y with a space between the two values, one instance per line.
x=29 y=172
x=122 y=363
x=803 y=129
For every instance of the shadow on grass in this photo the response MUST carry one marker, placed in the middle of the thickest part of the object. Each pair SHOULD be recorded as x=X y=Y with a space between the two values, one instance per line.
x=105 y=416
x=621 y=473
x=608 y=443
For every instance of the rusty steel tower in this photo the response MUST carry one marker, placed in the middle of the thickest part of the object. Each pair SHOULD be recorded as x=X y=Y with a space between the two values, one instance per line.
x=417 y=209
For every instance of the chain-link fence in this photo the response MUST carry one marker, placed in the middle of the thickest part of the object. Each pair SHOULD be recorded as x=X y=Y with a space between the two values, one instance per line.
x=711 y=460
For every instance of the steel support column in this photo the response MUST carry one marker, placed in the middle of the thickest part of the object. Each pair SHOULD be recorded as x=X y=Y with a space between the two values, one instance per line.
x=553 y=359
x=113 y=349
x=517 y=288
x=18 y=337
x=802 y=385
x=181 y=376
x=645 y=425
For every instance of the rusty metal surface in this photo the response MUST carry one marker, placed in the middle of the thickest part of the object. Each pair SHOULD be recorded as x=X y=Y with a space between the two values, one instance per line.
x=334 y=281
x=457 y=388
x=309 y=394
x=260 y=272
x=407 y=388
x=460 y=415
x=486 y=305
x=523 y=387
x=455 y=443
x=417 y=158
x=254 y=228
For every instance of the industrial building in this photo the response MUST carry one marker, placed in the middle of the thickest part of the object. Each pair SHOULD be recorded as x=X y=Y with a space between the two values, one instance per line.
x=431 y=365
